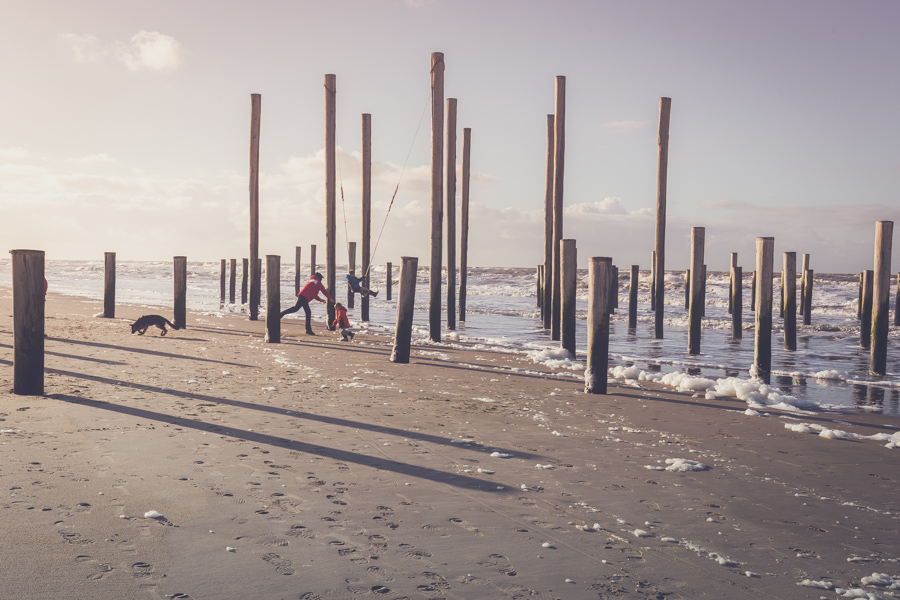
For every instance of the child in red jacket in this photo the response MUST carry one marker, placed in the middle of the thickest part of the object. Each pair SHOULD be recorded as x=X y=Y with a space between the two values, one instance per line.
x=342 y=321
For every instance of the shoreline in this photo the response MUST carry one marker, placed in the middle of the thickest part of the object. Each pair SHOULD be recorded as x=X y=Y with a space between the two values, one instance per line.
x=317 y=468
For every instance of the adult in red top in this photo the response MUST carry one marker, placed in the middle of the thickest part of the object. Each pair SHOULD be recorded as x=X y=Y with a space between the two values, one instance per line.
x=309 y=292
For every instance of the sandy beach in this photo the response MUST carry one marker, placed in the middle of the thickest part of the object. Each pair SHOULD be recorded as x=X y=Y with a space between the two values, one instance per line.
x=207 y=464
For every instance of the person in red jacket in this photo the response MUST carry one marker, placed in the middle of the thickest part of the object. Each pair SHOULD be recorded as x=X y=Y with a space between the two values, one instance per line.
x=341 y=320
x=309 y=292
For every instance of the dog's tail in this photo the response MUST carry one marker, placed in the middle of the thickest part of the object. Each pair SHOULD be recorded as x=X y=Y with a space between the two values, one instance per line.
x=170 y=324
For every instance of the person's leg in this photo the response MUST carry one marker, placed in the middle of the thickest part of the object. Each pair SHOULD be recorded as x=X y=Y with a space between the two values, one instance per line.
x=308 y=316
x=292 y=309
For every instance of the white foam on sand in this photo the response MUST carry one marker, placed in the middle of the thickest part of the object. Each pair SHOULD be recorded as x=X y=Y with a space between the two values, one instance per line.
x=892 y=439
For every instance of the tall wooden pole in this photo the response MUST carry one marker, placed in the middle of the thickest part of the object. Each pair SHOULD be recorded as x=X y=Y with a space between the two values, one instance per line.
x=109 y=285
x=405 y=305
x=659 y=269
x=464 y=222
x=807 y=296
x=351 y=267
x=330 y=190
x=595 y=374
x=273 y=299
x=180 y=292
x=559 y=163
x=884 y=231
x=255 y=113
x=451 y=213
x=298 y=250
x=737 y=303
x=698 y=244
x=789 y=285
x=28 y=322
x=232 y=283
x=762 y=356
x=366 y=210
x=437 y=194
x=568 y=264
x=547 y=284
x=865 y=305
x=803 y=269
x=731 y=279
x=633 y=296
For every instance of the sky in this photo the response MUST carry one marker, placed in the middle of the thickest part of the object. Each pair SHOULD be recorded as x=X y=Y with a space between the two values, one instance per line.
x=124 y=126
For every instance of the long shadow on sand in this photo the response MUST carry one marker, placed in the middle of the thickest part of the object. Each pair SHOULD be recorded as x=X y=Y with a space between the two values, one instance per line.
x=385 y=464
x=150 y=352
x=75 y=356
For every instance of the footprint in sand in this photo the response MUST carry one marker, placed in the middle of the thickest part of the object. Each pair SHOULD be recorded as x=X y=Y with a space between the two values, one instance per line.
x=466 y=525
x=82 y=507
x=141 y=570
x=379 y=574
x=499 y=562
x=282 y=566
x=301 y=531
x=97 y=570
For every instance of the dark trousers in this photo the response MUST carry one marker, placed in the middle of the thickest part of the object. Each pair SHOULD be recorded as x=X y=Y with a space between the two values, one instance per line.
x=303 y=303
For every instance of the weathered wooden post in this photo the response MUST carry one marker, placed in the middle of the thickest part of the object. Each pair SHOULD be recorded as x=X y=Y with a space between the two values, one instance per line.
x=789 y=285
x=865 y=310
x=687 y=289
x=109 y=285
x=297 y=253
x=897 y=304
x=312 y=261
x=405 y=306
x=223 y=276
x=244 y=279
x=568 y=263
x=273 y=299
x=437 y=192
x=731 y=279
x=28 y=321
x=595 y=373
x=807 y=297
x=540 y=291
x=330 y=191
x=703 y=292
x=232 y=283
x=762 y=355
x=390 y=279
x=753 y=292
x=547 y=284
x=781 y=298
x=653 y=281
x=860 y=286
x=366 y=211
x=803 y=269
x=737 y=303
x=559 y=163
x=256 y=110
x=451 y=213
x=695 y=318
x=659 y=270
x=633 y=296
x=351 y=267
x=464 y=222
x=180 y=281
x=884 y=231
x=259 y=274
x=614 y=291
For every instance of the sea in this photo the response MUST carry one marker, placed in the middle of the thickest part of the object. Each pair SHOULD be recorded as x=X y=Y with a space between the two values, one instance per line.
x=828 y=370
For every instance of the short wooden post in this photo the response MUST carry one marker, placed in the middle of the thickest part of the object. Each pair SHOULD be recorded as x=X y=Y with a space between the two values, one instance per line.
x=897 y=304
x=245 y=277
x=437 y=196
x=731 y=279
x=405 y=306
x=596 y=371
x=312 y=261
x=687 y=289
x=273 y=299
x=223 y=277
x=807 y=297
x=789 y=285
x=703 y=292
x=389 y=282
x=781 y=298
x=180 y=280
x=753 y=292
x=256 y=107
x=109 y=285
x=659 y=267
x=568 y=257
x=547 y=301
x=803 y=269
x=633 y=296
x=366 y=250
x=539 y=289
x=450 y=176
x=695 y=318
x=614 y=291
x=297 y=253
x=464 y=222
x=28 y=321
x=232 y=283
x=259 y=274
x=653 y=281
x=884 y=231
x=860 y=286
x=351 y=251
x=559 y=162
x=865 y=304
x=737 y=303
x=762 y=355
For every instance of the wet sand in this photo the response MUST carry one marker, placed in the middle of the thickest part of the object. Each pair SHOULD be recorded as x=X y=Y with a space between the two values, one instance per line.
x=316 y=468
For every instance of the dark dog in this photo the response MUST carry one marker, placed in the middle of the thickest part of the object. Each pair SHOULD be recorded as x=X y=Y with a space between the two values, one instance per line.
x=140 y=326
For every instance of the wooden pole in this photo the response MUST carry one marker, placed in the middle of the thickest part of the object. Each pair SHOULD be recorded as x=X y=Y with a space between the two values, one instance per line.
x=451 y=213
x=595 y=373
x=559 y=163
x=789 y=285
x=109 y=285
x=568 y=263
x=547 y=284
x=807 y=297
x=437 y=191
x=330 y=191
x=687 y=289
x=259 y=274
x=232 y=283
x=539 y=290
x=753 y=292
x=351 y=267
x=860 y=286
x=695 y=319
x=180 y=282
x=762 y=356
x=665 y=107
x=366 y=210
x=865 y=321
x=28 y=322
x=312 y=260
x=298 y=250
x=273 y=299
x=614 y=291
x=803 y=269
x=633 y=297
x=405 y=306
x=653 y=281
x=464 y=222
x=897 y=304
x=244 y=279
x=884 y=231
x=737 y=303
x=703 y=292
x=731 y=280
x=255 y=114
x=390 y=280
x=781 y=299
x=223 y=277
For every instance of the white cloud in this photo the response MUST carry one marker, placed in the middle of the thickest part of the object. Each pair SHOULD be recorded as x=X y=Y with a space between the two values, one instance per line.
x=146 y=51
x=86 y=48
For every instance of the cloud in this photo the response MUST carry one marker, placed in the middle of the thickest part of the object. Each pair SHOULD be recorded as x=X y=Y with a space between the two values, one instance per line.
x=625 y=126
x=146 y=51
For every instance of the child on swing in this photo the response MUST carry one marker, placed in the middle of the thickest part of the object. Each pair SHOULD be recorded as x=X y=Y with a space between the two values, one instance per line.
x=356 y=285
x=342 y=321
